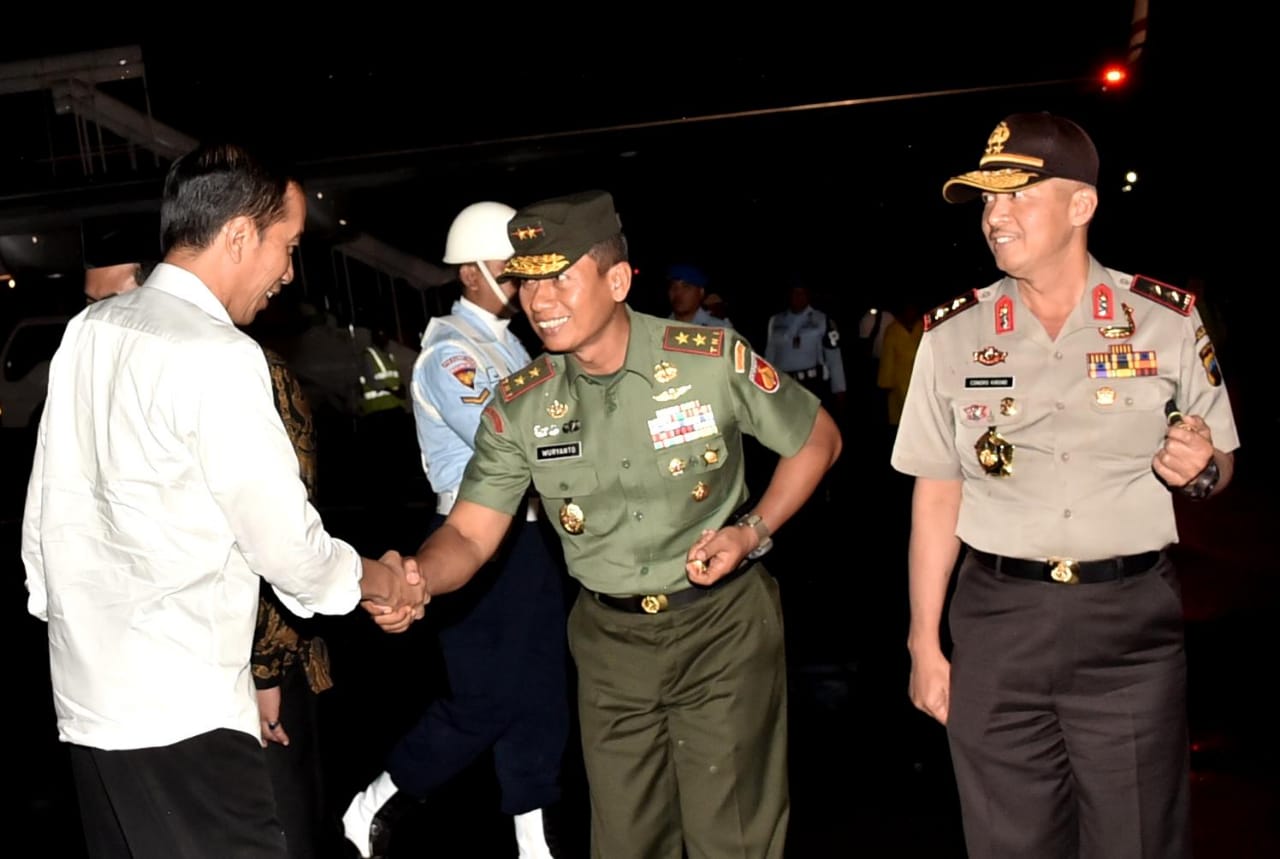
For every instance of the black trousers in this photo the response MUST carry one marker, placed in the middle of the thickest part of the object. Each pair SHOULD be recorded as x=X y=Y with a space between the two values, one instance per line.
x=207 y=797
x=1068 y=719
x=505 y=650
x=296 y=773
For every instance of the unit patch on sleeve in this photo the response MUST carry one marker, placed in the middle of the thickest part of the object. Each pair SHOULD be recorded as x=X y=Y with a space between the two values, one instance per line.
x=943 y=312
x=522 y=380
x=463 y=368
x=763 y=376
x=1161 y=293
x=1210 y=362
x=693 y=340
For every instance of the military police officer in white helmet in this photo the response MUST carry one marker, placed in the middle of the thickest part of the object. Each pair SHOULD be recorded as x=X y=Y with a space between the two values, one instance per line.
x=503 y=636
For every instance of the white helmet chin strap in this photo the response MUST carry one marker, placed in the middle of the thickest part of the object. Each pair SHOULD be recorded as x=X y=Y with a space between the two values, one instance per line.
x=493 y=285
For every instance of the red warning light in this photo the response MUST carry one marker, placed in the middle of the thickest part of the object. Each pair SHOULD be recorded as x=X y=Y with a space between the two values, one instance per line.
x=1114 y=75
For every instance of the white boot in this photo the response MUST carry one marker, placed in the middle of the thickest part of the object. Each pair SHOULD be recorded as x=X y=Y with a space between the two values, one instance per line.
x=531 y=838
x=359 y=815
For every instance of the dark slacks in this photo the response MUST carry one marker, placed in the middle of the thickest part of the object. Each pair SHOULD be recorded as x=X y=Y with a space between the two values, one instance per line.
x=296 y=772
x=1068 y=722
x=684 y=724
x=504 y=649
x=208 y=797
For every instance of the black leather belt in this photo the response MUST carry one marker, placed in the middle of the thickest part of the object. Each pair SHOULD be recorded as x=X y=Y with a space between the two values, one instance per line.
x=1068 y=571
x=657 y=603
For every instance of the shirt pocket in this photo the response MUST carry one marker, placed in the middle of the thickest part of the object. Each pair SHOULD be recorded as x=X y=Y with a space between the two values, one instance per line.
x=684 y=465
x=1132 y=412
x=566 y=481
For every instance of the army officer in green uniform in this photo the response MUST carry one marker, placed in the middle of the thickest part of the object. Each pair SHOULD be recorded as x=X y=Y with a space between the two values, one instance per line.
x=630 y=429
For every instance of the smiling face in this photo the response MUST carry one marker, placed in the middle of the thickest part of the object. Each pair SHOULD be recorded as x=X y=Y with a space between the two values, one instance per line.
x=265 y=259
x=580 y=310
x=1032 y=229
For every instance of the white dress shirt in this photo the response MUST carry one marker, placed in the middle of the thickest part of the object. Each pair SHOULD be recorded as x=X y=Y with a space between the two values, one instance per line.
x=163 y=486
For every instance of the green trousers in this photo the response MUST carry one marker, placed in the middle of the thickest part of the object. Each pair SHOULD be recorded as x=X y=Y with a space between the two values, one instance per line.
x=684 y=724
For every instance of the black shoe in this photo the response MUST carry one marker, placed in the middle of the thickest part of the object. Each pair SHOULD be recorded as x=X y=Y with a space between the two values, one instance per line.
x=391 y=813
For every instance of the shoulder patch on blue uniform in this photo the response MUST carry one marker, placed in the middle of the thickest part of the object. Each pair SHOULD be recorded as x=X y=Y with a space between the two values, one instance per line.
x=693 y=340
x=1162 y=293
x=954 y=307
x=527 y=377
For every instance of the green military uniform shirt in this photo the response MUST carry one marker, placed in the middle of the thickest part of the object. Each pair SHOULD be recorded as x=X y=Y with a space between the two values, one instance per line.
x=642 y=461
x=1084 y=415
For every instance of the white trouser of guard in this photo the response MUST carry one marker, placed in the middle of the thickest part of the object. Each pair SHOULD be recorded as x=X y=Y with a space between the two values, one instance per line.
x=359 y=815
x=531 y=838
x=446 y=500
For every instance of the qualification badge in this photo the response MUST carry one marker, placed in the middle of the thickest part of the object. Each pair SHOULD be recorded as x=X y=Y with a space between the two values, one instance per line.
x=995 y=454
x=700 y=491
x=571 y=517
x=665 y=372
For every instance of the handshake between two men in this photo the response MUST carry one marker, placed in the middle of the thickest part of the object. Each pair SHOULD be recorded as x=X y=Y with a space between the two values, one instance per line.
x=393 y=591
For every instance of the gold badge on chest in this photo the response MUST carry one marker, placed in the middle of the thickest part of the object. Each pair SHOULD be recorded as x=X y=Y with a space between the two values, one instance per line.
x=572 y=519
x=995 y=453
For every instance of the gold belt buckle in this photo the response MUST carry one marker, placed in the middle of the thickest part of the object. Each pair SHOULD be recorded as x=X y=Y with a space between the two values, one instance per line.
x=1066 y=571
x=653 y=603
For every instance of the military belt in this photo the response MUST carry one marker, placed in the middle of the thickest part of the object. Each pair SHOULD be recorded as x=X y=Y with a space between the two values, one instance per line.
x=1069 y=571
x=658 y=603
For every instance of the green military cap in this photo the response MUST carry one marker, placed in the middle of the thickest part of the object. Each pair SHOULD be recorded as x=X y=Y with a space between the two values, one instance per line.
x=551 y=235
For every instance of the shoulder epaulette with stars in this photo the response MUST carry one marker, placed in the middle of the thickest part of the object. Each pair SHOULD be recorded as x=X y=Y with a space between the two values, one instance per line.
x=943 y=312
x=1161 y=293
x=527 y=377
x=694 y=340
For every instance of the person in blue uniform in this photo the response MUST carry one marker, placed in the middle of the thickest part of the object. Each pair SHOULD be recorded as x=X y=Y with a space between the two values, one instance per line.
x=804 y=343
x=503 y=636
x=687 y=293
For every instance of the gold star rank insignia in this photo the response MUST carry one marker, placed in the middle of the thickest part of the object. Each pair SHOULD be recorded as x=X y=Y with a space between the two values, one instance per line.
x=693 y=340
x=525 y=378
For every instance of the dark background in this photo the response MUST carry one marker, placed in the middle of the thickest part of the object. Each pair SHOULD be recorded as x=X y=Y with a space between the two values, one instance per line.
x=763 y=144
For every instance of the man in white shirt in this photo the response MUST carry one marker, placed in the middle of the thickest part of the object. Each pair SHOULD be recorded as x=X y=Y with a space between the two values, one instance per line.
x=163 y=485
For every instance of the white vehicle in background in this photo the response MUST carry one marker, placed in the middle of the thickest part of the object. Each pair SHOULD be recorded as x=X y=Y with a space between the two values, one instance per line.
x=24 y=369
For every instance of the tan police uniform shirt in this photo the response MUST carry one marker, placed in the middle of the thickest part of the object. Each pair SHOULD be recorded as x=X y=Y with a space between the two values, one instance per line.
x=639 y=463
x=1084 y=414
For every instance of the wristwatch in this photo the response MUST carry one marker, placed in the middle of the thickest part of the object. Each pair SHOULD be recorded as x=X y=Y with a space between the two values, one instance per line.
x=755 y=523
x=1202 y=484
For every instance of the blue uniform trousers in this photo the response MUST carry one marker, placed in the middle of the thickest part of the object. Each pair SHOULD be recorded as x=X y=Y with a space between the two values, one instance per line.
x=503 y=643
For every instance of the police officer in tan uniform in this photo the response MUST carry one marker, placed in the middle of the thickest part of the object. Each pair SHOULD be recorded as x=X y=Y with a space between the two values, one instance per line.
x=630 y=428
x=1051 y=418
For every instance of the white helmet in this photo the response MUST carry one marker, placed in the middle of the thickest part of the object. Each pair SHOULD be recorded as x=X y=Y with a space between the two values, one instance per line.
x=479 y=233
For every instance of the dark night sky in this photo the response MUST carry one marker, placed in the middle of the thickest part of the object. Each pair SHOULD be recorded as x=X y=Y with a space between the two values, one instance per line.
x=405 y=123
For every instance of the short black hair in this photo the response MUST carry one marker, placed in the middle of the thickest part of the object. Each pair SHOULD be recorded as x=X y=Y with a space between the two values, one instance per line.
x=609 y=252
x=214 y=183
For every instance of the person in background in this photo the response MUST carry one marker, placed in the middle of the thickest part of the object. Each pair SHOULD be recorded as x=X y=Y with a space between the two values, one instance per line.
x=901 y=340
x=1052 y=419
x=687 y=292
x=804 y=343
